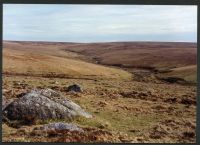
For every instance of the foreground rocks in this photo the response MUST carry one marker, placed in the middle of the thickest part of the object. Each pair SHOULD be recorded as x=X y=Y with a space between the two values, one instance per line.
x=73 y=88
x=43 y=104
x=61 y=126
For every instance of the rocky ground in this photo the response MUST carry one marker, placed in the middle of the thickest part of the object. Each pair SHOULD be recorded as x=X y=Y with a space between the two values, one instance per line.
x=122 y=111
x=132 y=92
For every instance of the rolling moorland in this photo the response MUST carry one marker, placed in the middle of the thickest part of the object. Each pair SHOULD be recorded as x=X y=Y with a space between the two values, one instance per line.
x=137 y=92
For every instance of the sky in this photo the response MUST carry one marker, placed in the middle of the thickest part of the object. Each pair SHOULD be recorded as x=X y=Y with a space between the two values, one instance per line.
x=99 y=23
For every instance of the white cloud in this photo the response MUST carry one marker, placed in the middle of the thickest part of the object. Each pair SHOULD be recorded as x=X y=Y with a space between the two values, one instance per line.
x=102 y=22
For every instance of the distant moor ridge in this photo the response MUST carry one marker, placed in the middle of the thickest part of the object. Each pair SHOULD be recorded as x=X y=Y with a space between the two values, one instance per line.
x=110 y=60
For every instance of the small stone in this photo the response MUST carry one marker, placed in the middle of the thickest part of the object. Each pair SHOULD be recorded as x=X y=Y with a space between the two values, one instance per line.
x=74 y=88
x=61 y=126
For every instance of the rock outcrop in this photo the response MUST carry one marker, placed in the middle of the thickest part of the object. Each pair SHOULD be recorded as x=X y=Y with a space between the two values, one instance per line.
x=43 y=104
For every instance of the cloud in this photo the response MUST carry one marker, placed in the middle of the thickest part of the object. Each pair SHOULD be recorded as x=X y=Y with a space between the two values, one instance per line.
x=87 y=23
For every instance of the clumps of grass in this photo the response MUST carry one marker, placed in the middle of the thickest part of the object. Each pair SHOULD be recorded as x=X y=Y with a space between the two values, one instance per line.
x=94 y=122
x=21 y=139
x=6 y=130
x=47 y=121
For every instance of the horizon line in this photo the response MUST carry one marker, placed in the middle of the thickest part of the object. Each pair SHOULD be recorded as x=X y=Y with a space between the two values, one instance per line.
x=99 y=41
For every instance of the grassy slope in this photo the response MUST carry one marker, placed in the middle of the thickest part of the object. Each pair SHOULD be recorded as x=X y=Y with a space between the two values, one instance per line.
x=179 y=58
x=150 y=54
x=188 y=73
x=23 y=59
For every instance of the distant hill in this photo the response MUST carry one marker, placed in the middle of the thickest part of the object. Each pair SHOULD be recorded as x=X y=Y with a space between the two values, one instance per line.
x=86 y=59
x=43 y=59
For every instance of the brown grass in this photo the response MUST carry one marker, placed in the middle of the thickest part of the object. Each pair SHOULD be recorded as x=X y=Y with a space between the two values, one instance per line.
x=22 y=59
x=124 y=110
